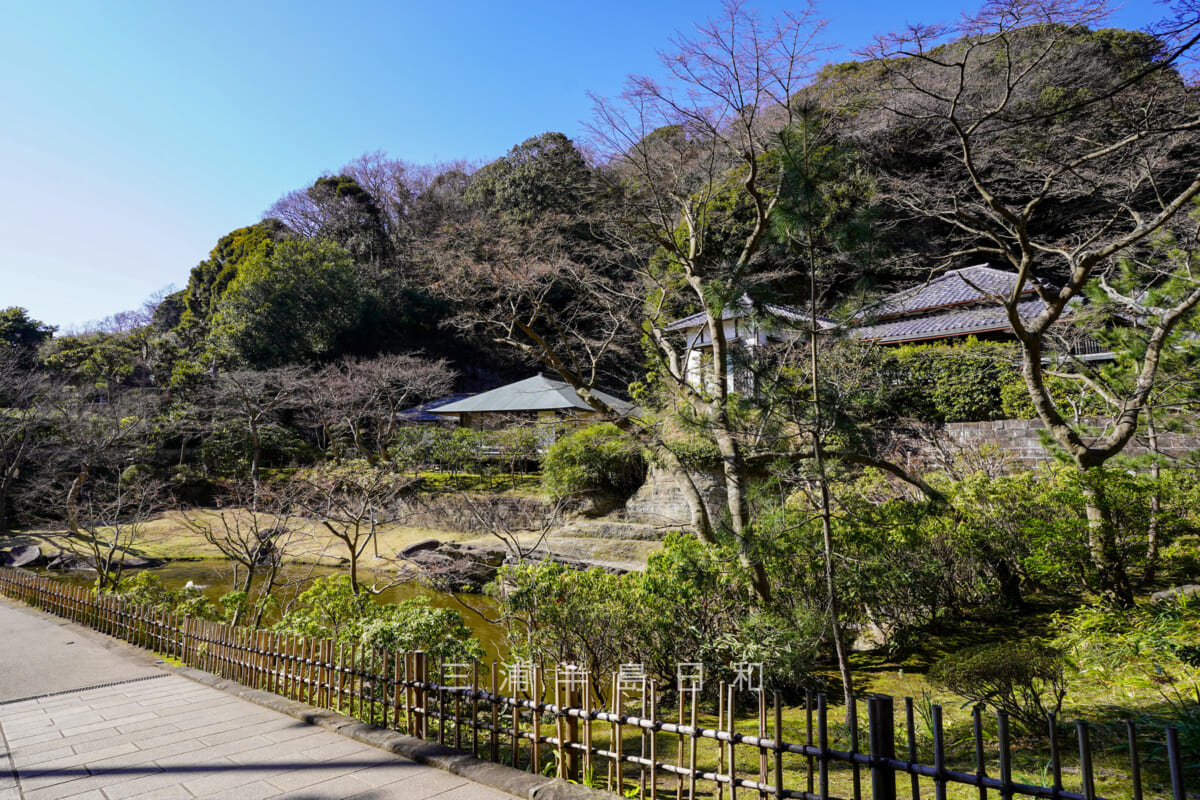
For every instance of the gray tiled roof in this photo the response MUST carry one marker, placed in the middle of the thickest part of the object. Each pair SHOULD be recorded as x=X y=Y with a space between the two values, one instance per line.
x=952 y=322
x=538 y=393
x=743 y=308
x=955 y=288
x=424 y=412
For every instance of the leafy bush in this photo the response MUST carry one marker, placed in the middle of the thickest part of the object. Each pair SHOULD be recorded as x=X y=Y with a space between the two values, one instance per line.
x=697 y=453
x=1071 y=398
x=147 y=589
x=330 y=609
x=1026 y=680
x=951 y=383
x=596 y=459
x=685 y=607
x=557 y=614
x=414 y=624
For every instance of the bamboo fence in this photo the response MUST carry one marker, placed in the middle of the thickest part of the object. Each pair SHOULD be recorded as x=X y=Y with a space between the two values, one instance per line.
x=543 y=722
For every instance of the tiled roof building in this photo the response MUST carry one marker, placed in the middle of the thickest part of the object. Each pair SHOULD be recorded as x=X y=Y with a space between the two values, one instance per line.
x=961 y=302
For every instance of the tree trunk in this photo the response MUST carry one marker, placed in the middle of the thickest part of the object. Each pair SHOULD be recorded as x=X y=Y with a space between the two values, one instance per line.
x=73 y=500
x=1151 y=570
x=247 y=585
x=735 y=500
x=835 y=615
x=1009 y=581
x=1112 y=578
x=4 y=505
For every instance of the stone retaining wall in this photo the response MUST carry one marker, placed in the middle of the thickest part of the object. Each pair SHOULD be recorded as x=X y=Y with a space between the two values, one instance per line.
x=661 y=501
x=1023 y=439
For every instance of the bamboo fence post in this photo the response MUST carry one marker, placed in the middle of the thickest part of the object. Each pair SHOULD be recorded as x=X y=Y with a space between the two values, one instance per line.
x=721 y=746
x=475 y=707
x=409 y=694
x=371 y=671
x=516 y=724
x=495 y=732
x=679 y=736
x=535 y=722
x=573 y=702
x=762 y=734
x=642 y=742
x=560 y=730
x=618 y=737
x=263 y=643
x=588 y=762
x=731 y=716
x=441 y=700
x=779 y=748
x=397 y=686
x=653 y=740
x=692 y=749
x=457 y=712
x=422 y=667
x=852 y=718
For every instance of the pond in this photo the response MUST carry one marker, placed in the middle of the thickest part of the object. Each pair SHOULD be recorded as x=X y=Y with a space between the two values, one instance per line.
x=215 y=577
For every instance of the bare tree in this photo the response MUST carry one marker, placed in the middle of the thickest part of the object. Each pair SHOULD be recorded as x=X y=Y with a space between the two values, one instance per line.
x=23 y=421
x=111 y=515
x=254 y=399
x=351 y=502
x=358 y=401
x=254 y=530
x=95 y=438
x=1062 y=155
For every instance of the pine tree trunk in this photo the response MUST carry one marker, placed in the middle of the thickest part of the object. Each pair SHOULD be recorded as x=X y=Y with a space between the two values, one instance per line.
x=1112 y=579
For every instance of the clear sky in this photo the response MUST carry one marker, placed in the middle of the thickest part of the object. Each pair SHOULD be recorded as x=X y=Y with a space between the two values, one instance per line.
x=133 y=135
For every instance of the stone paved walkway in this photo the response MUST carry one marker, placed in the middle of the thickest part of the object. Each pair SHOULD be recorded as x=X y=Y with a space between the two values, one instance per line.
x=158 y=734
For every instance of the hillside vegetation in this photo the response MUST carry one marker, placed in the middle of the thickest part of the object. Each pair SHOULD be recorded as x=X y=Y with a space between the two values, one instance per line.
x=1028 y=136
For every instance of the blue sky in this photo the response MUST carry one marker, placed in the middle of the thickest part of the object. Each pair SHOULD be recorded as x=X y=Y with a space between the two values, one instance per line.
x=134 y=134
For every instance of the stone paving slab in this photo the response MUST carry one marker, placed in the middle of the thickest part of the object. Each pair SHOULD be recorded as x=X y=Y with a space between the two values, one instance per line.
x=142 y=729
x=168 y=736
x=115 y=760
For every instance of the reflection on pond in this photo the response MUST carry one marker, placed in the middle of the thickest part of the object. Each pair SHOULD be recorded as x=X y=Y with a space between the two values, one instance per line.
x=215 y=577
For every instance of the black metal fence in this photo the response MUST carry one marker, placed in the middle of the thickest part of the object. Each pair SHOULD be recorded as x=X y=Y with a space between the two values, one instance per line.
x=539 y=721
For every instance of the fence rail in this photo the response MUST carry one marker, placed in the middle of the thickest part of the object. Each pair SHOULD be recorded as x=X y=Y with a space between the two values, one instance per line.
x=467 y=707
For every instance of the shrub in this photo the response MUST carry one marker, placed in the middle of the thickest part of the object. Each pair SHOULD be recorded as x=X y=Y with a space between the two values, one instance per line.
x=1071 y=397
x=330 y=609
x=685 y=607
x=147 y=589
x=414 y=624
x=1024 y=679
x=597 y=459
x=951 y=383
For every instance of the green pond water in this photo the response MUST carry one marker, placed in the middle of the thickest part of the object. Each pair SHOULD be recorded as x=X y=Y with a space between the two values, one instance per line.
x=215 y=577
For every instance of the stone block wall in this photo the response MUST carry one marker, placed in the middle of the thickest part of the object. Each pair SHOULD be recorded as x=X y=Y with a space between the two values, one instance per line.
x=661 y=502
x=1023 y=439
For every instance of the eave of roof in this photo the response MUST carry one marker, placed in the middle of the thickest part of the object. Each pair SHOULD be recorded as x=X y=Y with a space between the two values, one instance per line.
x=953 y=322
x=424 y=412
x=743 y=308
x=538 y=393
